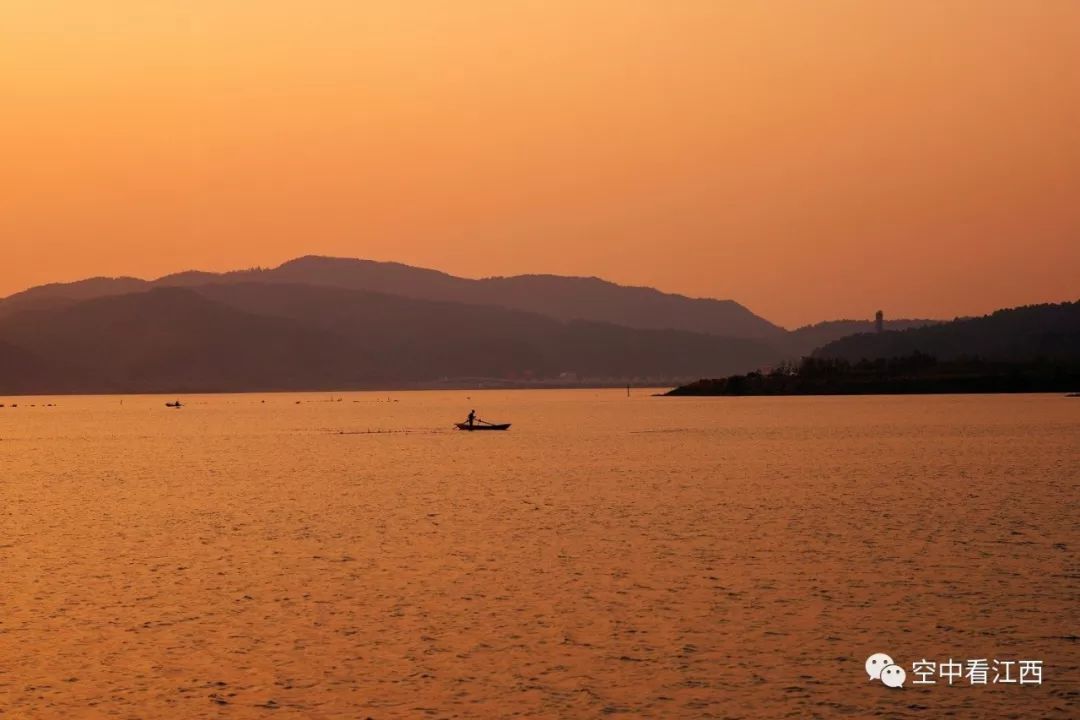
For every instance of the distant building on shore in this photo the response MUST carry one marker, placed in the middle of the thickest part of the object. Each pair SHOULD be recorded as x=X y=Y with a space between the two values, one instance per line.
x=879 y=321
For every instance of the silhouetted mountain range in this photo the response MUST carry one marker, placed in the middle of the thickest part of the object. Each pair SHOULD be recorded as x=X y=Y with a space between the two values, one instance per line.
x=259 y=336
x=562 y=298
x=328 y=323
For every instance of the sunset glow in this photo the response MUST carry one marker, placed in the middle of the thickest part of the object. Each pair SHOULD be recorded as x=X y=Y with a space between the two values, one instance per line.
x=810 y=160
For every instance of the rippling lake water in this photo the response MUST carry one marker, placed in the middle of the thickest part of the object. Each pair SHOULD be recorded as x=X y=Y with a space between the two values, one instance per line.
x=254 y=556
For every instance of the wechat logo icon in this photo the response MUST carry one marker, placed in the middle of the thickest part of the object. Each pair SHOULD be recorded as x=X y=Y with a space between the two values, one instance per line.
x=880 y=666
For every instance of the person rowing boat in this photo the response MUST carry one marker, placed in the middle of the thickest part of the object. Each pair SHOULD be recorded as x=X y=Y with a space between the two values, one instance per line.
x=474 y=423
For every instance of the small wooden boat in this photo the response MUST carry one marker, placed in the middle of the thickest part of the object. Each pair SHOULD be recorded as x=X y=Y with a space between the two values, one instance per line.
x=481 y=425
x=174 y=404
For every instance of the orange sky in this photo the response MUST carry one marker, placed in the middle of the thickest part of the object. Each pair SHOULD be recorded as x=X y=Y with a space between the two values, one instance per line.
x=810 y=159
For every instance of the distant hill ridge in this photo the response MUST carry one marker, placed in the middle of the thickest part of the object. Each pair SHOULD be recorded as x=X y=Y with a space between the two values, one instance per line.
x=330 y=323
x=563 y=298
x=245 y=336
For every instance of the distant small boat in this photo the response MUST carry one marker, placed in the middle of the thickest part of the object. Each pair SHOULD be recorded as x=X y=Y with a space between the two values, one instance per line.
x=174 y=404
x=481 y=425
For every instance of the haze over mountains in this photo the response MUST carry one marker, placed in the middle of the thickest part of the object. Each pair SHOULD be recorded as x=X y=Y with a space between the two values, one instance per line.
x=330 y=323
x=321 y=323
x=563 y=298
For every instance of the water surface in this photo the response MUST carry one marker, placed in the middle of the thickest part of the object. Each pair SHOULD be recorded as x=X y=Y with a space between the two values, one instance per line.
x=299 y=556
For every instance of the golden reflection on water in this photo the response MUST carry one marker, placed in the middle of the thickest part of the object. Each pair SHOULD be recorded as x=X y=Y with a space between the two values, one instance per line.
x=300 y=556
